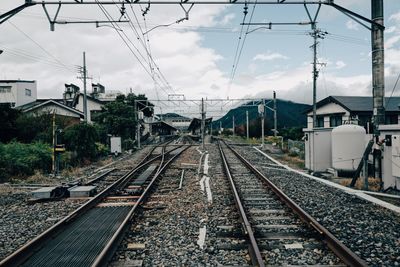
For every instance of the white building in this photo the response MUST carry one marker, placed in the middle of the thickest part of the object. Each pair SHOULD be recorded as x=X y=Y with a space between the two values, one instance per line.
x=337 y=110
x=73 y=98
x=17 y=92
x=50 y=106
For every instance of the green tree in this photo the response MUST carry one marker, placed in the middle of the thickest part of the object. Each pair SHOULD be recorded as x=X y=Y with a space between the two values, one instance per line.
x=119 y=117
x=81 y=138
x=8 y=117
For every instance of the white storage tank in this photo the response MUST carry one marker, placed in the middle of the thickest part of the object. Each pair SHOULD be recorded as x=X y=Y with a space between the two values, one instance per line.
x=348 y=145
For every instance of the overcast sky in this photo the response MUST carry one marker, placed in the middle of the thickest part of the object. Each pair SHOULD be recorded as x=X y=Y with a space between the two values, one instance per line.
x=196 y=56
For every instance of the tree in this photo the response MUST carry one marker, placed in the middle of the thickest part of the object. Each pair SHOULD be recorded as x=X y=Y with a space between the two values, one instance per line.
x=8 y=117
x=119 y=117
x=82 y=139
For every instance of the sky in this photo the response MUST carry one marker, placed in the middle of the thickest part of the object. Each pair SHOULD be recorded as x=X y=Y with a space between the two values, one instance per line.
x=195 y=57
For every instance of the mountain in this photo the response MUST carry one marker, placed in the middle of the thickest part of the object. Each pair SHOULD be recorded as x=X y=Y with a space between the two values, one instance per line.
x=289 y=114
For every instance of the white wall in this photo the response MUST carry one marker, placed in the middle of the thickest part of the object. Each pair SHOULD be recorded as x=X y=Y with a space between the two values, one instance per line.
x=328 y=109
x=17 y=94
x=91 y=105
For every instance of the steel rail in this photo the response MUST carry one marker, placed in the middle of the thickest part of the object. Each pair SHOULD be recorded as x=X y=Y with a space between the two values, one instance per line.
x=254 y=250
x=106 y=254
x=23 y=253
x=337 y=247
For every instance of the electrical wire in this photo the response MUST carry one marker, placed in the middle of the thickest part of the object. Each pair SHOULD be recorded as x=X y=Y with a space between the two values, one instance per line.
x=394 y=88
x=235 y=65
x=41 y=47
x=105 y=12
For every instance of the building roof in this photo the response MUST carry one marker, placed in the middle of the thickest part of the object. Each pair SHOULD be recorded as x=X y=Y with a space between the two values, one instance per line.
x=163 y=124
x=16 y=81
x=359 y=103
x=44 y=102
x=196 y=123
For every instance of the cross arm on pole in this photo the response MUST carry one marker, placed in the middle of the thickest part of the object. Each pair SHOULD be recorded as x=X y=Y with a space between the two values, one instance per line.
x=5 y=16
x=356 y=17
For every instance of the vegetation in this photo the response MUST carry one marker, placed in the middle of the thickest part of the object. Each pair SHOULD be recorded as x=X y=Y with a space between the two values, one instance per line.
x=18 y=159
x=26 y=141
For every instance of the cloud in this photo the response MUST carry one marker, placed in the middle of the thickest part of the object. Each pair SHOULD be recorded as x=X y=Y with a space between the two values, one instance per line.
x=395 y=17
x=352 y=25
x=227 y=19
x=269 y=56
x=340 y=65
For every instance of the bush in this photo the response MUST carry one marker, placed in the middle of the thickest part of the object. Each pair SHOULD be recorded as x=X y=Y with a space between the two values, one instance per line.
x=82 y=138
x=23 y=159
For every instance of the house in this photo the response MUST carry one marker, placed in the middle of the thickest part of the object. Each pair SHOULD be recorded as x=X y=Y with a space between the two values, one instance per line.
x=17 y=92
x=99 y=92
x=333 y=111
x=73 y=97
x=48 y=106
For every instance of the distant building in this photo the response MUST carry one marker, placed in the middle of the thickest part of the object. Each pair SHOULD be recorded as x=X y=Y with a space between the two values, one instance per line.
x=99 y=92
x=49 y=106
x=17 y=92
x=73 y=98
x=195 y=125
x=178 y=121
x=333 y=111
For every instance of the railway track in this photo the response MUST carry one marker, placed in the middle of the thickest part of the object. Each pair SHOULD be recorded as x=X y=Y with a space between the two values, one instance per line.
x=89 y=235
x=277 y=230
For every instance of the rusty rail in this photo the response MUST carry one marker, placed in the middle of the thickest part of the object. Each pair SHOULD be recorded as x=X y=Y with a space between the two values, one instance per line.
x=337 y=247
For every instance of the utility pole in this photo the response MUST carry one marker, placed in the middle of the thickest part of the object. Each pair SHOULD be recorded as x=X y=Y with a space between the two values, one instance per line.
x=233 y=126
x=378 y=79
x=247 y=124
x=84 y=88
x=275 y=117
x=203 y=115
x=262 y=123
x=137 y=128
x=53 y=157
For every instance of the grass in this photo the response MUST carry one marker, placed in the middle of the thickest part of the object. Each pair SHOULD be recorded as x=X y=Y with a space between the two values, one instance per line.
x=373 y=183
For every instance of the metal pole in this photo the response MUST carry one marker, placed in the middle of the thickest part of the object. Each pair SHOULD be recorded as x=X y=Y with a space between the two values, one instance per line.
x=84 y=88
x=262 y=125
x=247 y=124
x=233 y=125
x=365 y=172
x=275 y=117
x=378 y=79
x=315 y=75
x=202 y=123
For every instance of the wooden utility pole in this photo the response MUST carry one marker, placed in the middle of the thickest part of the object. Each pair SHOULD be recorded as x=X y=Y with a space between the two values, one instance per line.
x=84 y=88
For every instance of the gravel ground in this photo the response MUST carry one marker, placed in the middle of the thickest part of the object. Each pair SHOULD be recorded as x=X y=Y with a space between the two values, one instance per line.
x=20 y=221
x=166 y=233
x=369 y=230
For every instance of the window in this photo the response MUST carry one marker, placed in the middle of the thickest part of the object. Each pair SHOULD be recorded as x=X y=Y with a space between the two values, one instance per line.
x=5 y=89
x=320 y=121
x=28 y=92
x=335 y=120
x=391 y=119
